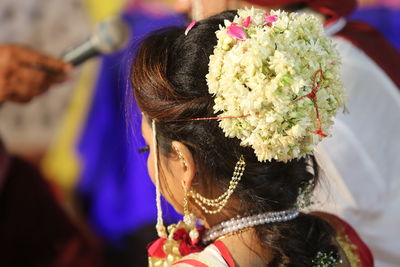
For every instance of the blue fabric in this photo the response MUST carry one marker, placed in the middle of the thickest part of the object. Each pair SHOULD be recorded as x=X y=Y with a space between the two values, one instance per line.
x=118 y=194
x=386 y=20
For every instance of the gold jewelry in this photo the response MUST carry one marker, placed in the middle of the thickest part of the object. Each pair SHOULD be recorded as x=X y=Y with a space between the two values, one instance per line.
x=217 y=204
x=238 y=232
x=177 y=244
x=188 y=217
x=181 y=157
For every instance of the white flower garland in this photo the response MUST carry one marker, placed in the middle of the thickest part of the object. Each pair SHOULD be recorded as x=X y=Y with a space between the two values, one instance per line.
x=262 y=63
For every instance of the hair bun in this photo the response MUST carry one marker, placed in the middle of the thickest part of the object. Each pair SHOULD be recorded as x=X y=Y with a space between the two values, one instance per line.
x=279 y=76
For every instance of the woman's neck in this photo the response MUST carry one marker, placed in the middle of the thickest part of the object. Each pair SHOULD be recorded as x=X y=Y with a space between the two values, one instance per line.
x=229 y=212
x=246 y=249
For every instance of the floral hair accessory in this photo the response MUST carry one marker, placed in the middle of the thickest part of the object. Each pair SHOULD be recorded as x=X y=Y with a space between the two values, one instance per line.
x=276 y=75
x=236 y=32
x=246 y=22
x=304 y=198
x=323 y=259
x=269 y=18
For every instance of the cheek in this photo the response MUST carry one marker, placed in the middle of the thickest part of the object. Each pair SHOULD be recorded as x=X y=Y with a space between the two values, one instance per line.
x=174 y=195
x=150 y=167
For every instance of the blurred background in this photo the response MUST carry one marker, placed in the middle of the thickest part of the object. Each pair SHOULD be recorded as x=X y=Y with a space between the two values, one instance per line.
x=77 y=134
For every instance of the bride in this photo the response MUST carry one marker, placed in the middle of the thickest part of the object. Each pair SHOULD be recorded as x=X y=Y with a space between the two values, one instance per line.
x=233 y=107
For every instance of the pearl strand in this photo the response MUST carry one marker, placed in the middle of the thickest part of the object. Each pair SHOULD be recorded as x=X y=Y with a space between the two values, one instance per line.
x=237 y=224
x=217 y=204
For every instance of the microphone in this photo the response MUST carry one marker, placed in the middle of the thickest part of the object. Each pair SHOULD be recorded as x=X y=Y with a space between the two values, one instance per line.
x=109 y=36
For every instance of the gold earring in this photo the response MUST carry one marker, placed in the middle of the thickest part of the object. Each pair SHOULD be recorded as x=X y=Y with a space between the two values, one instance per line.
x=188 y=217
x=181 y=157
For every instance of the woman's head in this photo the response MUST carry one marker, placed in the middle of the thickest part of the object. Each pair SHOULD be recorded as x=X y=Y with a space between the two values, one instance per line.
x=168 y=77
x=169 y=83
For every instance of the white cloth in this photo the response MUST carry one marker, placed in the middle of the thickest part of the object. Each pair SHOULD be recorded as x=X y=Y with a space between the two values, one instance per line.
x=210 y=256
x=361 y=162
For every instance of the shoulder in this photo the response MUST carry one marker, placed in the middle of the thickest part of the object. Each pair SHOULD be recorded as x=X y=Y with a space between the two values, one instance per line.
x=209 y=257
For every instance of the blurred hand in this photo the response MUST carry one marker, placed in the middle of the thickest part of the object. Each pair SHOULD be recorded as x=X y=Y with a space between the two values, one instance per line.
x=25 y=73
x=206 y=8
x=182 y=6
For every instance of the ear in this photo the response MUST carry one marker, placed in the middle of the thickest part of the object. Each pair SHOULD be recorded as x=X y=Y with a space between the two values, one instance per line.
x=185 y=163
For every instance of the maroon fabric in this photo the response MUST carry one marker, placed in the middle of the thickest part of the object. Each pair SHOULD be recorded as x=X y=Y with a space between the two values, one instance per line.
x=363 y=251
x=344 y=230
x=334 y=9
x=34 y=230
x=375 y=45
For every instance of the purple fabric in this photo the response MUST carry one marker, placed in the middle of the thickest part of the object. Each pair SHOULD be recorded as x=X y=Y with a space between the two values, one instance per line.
x=114 y=186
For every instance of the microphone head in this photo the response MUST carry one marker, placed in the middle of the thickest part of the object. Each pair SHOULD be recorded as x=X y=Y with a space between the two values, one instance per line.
x=110 y=35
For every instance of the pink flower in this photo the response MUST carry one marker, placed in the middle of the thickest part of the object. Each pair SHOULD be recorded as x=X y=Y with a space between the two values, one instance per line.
x=246 y=22
x=270 y=19
x=190 y=26
x=237 y=32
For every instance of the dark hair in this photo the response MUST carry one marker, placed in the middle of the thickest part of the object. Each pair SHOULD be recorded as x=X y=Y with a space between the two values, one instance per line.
x=168 y=80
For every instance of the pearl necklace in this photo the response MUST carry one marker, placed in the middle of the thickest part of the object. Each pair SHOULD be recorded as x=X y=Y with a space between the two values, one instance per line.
x=237 y=224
